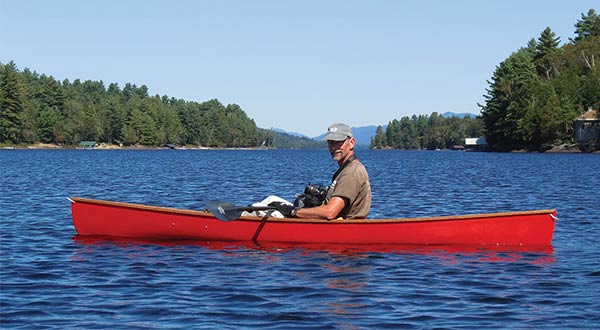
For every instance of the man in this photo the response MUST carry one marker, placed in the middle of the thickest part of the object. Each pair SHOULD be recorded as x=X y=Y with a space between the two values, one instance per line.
x=349 y=196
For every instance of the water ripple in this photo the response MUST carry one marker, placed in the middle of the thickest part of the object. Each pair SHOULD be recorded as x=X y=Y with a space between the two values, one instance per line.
x=50 y=280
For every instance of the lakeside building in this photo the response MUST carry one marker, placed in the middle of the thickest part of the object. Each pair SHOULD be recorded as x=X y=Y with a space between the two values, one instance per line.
x=586 y=130
x=475 y=144
x=88 y=144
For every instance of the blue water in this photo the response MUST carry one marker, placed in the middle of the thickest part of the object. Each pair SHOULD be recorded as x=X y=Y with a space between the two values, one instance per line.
x=50 y=279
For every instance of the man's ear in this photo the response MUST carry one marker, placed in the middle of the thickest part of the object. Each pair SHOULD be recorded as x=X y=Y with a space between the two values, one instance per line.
x=352 y=143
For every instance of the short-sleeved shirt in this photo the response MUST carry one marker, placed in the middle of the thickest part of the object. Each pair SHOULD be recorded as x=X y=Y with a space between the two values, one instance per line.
x=352 y=184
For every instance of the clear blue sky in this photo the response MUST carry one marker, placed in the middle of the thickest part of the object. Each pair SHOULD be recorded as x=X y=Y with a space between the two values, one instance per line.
x=296 y=65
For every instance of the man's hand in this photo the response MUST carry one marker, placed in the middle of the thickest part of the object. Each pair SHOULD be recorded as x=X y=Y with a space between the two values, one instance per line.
x=287 y=210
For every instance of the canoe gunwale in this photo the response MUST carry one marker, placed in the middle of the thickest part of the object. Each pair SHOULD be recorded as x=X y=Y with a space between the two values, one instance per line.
x=205 y=214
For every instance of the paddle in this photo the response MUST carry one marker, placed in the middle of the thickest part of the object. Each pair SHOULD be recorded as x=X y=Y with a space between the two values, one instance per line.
x=226 y=211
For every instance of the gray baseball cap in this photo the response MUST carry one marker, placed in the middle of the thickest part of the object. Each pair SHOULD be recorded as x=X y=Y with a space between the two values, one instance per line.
x=338 y=132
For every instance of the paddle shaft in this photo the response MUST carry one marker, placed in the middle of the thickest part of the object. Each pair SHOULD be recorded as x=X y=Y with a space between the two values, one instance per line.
x=255 y=208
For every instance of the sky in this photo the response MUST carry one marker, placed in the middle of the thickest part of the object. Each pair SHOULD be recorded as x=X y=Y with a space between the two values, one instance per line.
x=296 y=65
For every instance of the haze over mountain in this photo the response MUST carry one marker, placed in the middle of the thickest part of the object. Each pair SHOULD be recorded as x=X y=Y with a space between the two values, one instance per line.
x=279 y=130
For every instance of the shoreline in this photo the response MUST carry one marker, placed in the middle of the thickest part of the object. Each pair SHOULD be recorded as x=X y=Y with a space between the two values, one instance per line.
x=562 y=149
x=103 y=146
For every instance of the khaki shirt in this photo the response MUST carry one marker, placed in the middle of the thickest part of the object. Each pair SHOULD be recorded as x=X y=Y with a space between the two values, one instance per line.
x=352 y=184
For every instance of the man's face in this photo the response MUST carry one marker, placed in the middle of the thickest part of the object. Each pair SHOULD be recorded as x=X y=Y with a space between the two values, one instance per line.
x=339 y=150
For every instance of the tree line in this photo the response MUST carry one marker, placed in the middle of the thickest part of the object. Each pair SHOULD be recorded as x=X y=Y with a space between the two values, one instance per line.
x=38 y=108
x=535 y=94
x=426 y=132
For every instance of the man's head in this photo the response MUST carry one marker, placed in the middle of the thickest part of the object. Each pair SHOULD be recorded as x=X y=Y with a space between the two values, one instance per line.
x=340 y=142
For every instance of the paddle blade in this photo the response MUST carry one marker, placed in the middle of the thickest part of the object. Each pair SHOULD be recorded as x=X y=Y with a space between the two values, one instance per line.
x=224 y=211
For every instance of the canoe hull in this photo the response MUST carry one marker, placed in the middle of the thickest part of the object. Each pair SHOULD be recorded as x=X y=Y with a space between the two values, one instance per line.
x=104 y=218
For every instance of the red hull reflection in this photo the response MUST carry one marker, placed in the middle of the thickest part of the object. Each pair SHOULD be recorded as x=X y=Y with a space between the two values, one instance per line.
x=450 y=253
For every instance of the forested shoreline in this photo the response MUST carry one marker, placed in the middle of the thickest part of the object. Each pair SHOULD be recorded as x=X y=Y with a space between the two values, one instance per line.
x=535 y=95
x=533 y=98
x=38 y=108
x=426 y=132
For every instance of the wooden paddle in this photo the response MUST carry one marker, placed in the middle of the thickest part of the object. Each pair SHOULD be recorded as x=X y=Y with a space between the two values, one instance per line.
x=226 y=211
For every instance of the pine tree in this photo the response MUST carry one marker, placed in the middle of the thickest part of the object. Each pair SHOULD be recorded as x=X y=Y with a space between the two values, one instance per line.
x=588 y=26
x=13 y=103
x=546 y=46
x=379 y=140
x=505 y=100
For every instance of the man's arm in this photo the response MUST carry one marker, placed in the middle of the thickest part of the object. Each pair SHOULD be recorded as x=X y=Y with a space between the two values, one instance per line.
x=328 y=211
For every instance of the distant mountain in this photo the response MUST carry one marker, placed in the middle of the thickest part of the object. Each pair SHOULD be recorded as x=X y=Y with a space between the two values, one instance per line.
x=284 y=140
x=279 y=130
x=362 y=134
x=459 y=115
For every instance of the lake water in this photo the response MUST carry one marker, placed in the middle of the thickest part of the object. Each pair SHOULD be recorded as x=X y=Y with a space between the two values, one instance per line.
x=52 y=280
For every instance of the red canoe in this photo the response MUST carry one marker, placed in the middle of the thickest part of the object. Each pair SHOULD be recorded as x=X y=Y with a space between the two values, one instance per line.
x=105 y=218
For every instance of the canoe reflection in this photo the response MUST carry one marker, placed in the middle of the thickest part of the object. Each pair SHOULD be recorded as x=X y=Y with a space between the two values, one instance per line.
x=449 y=253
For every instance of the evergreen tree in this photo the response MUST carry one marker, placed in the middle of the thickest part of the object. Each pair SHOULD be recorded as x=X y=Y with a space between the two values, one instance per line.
x=242 y=130
x=88 y=123
x=435 y=136
x=379 y=140
x=50 y=93
x=146 y=129
x=190 y=115
x=114 y=115
x=588 y=26
x=46 y=123
x=392 y=134
x=13 y=103
x=503 y=111
x=547 y=43
x=546 y=46
x=170 y=126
